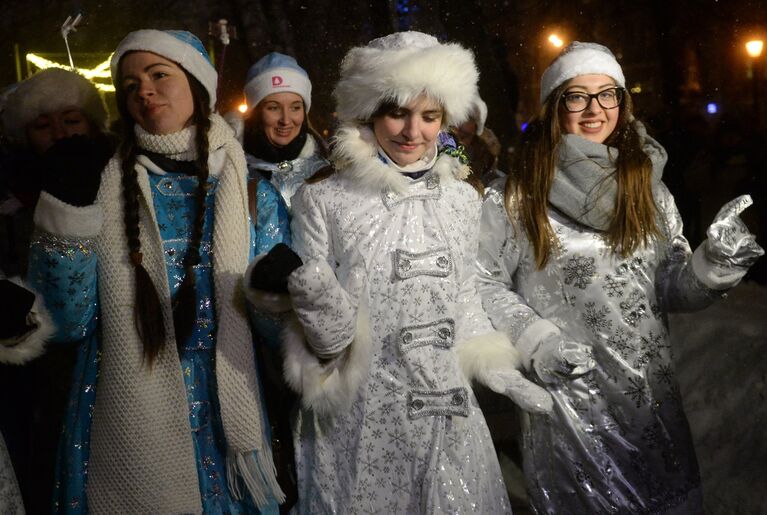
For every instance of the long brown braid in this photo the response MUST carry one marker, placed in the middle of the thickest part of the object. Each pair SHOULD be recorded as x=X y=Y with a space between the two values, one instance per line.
x=148 y=309
x=184 y=305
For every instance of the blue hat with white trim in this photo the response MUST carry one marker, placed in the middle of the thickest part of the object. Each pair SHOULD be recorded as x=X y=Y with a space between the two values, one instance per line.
x=179 y=46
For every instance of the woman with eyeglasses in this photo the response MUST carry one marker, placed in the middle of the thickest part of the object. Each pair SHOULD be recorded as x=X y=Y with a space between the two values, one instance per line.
x=581 y=259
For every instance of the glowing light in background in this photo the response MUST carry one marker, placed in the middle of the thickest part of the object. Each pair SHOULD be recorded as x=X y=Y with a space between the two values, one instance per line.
x=754 y=48
x=99 y=72
x=556 y=41
x=712 y=108
x=242 y=107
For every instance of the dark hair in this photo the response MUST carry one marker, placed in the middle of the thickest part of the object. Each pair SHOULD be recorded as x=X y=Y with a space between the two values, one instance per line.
x=148 y=316
x=532 y=174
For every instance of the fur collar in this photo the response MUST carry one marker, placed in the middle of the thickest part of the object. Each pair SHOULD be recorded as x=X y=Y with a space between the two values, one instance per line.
x=355 y=156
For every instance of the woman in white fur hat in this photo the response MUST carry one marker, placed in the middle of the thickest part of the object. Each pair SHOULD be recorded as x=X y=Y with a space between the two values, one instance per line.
x=55 y=123
x=581 y=258
x=280 y=143
x=148 y=272
x=389 y=329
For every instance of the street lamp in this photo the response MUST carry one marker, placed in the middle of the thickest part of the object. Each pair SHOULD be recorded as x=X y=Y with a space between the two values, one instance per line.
x=754 y=49
x=556 y=41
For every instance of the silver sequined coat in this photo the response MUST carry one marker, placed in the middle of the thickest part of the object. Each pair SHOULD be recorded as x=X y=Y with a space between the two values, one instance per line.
x=412 y=439
x=618 y=441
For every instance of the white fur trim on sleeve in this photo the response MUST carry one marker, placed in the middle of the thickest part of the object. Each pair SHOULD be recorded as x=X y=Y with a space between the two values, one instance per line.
x=31 y=344
x=57 y=217
x=264 y=301
x=530 y=338
x=491 y=351
x=327 y=387
x=711 y=275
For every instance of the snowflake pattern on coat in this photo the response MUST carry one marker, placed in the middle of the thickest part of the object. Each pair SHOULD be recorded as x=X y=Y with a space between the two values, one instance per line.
x=618 y=441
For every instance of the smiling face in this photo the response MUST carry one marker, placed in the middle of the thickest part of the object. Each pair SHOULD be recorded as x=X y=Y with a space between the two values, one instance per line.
x=281 y=115
x=594 y=123
x=48 y=128
x=406 y=133
x=157 y=92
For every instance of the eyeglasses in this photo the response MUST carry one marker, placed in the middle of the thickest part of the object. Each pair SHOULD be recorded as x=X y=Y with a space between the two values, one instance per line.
x=576 y=102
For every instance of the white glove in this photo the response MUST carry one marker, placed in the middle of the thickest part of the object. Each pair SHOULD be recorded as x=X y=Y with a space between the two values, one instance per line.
x=326 y=309
x=525 y=394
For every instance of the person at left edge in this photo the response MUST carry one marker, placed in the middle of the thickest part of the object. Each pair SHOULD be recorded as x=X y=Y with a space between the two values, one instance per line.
x=148 y=273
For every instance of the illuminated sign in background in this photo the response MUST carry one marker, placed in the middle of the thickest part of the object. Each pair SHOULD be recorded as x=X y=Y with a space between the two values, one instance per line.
x=100 y=75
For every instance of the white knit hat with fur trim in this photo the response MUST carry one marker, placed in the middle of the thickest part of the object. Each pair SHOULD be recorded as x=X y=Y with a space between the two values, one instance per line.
x=179 y=46
x=277 y=73
x=400 y=67
x=580 y=59
x=48 y=91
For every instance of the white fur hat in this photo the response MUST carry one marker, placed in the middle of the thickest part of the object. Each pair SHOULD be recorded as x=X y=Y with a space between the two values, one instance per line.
x=179 y=46
x=277 y=73
x=47 y=91
x=580 y=59
x=401 y=66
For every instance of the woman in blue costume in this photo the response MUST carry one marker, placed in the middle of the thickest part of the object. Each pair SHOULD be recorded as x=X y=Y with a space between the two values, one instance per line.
x=166 y=413
x=279 y=141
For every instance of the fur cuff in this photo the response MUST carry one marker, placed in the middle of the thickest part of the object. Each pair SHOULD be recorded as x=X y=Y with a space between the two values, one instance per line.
x=61 y=219
x=713 y=276
x=491 y=351
x=327 y=387
x=264 y=301
x=355 y=153
x=30 y=345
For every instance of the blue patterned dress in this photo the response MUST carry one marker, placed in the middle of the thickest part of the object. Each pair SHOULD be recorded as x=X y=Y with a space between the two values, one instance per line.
x=65 y=273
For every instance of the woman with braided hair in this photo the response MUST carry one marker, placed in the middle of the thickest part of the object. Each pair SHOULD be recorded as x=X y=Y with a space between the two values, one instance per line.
x=149 y=272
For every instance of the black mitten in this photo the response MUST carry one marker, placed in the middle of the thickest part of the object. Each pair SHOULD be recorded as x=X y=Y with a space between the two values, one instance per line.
x=15 y=304
x=271 y=273
x=72 y=168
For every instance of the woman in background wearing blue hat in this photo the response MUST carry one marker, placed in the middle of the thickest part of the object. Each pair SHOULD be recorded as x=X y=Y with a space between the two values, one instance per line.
x=148 y=272
x=280 y=143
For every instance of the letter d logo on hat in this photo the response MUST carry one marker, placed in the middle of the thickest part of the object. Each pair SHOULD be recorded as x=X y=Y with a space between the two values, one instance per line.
x=276 y=80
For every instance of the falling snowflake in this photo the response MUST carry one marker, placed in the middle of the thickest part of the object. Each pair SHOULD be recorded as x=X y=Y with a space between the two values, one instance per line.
x=579 y=271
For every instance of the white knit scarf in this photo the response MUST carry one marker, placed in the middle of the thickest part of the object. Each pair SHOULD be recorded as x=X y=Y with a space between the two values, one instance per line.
x=142 y=454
